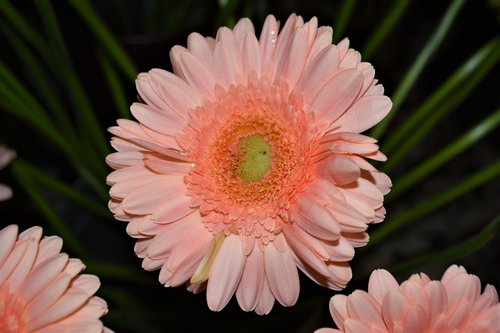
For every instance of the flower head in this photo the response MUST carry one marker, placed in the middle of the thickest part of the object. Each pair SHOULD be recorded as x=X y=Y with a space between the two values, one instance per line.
x=6 y=155
x=246 y=162
x=454 y=304
x=42 y=290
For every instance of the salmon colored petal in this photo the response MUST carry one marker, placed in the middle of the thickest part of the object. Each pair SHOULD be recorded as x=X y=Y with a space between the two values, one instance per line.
x=225 y=273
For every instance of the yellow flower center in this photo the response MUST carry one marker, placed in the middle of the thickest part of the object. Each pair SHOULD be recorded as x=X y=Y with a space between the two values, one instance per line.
x=256 y=158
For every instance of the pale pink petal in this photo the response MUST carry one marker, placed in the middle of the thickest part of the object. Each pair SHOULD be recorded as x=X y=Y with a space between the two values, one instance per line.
x=5 y=192
x=8 y=236
x=364 y=114
x=338 y=310
x=341 y=169
x=362 y=306
x=317 y=220
x=416 y=320
x=225 y=273
x=252 y=281
x=282 y=275
x=266 y=300
x=336 y=96
x=381 y=282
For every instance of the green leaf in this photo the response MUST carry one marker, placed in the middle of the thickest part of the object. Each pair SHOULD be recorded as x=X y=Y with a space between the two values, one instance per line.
x=420 y=62
x=62 y=188
x=431 y=204
x=46 y=208
x=342 y=19
x=121 y=272
x=444 y=155
x=115 y=85
x=109 y=43
x=385 y=27
x=87 y=122
x=458 y=251
x=450 y=102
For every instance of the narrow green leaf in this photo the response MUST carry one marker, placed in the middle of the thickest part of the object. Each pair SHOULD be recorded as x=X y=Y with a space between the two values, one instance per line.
x=87 y=122
x=385 y=27
x=342 y=19
x=109 y=43
x=48 y=211
x=62 y=188
x=444 y=155
x=483 y=60
x=419 y=64
x=39 y=80
x=428 y=206
x=24 y=28
x=456 y=252
x=448 y=104
x=116 y=87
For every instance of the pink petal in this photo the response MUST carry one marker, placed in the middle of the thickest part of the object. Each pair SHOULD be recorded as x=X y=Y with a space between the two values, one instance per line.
x=338 y=310
x=268 y=39
x=438 y=301
x=266 y=300
x=252 y=281
x=362 y=306
x=292 y=62
x=251 y=55
x=394 y=307
x=225 y=273
x=416 y=320
x=337 y=95
x=355 y=326
x=364 y=114
x=317 y=219
x=303 y=251
x=8 y=236
x=282 y=275
x=318 y=72
x=381 y=282
x=243 y=27
x=197 y=74
x=176 y=208
x=341 y=169
x=5 y=192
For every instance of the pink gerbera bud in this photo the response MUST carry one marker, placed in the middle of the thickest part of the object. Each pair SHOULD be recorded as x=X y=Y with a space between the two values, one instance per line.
x=42 y=290
x=6 y=155
x=419 y=305
x=247 y=162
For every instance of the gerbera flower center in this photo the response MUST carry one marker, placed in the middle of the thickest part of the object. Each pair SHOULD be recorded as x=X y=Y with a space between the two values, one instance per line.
x=256 y=158
x=11 y=311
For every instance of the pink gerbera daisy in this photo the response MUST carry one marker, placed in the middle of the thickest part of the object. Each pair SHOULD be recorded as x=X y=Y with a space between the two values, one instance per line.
x=6 y=155
x=41 y=290
x=247 y=163
x=418 y=305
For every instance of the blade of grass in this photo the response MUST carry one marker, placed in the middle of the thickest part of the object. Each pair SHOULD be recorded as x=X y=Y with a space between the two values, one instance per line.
x=17 y=100
x=458 y=251
x=47 y=210
x=385 y=27
x=444 y=155
x=483 y=60
x=39 y=80
x=115 y=85
x=449 y=104
x=470 y=183
x=87 y=121
x=342 y=19
x=62 y=188
x=24 y=28
x=420 y=62
x=109 y=43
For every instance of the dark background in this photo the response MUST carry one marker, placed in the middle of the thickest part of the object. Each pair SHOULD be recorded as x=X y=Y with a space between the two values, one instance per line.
x=148 y=29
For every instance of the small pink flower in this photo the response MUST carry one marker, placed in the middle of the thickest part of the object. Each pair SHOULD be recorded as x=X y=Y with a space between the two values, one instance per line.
x=41 y=290
x=246 y=162
x=6 y=155
x=454 y=304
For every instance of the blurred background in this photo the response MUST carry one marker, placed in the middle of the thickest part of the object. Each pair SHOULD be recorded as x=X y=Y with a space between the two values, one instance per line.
x=67 y=71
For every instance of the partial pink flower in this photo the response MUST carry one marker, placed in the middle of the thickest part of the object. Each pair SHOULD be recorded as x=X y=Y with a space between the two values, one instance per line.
x=246 y=162
x=6 y=155
x=42 y=290
x=418 y=305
